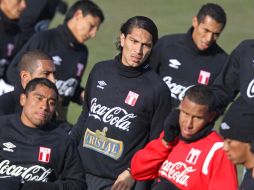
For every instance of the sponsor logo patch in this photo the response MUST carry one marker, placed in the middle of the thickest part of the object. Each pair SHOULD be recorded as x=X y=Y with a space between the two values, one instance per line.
x=250 y=89
x=99 y=142
x=178 y=172
x=68 y=87
x=115 y=116
x=28 y=173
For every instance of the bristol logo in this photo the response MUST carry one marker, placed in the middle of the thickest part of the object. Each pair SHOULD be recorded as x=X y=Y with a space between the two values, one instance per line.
x=44 y=154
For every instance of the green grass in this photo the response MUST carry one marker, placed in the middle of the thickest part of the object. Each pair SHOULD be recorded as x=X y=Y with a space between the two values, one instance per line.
x=170 y=16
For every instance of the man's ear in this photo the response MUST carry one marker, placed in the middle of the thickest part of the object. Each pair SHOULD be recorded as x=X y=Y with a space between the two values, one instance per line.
x=78 y=14
x=194 y=22
x=122 y=39
x=25 y=77
x=22 y=99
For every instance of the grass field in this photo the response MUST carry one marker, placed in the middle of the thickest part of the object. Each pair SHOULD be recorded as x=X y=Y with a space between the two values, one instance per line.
x=171 y=16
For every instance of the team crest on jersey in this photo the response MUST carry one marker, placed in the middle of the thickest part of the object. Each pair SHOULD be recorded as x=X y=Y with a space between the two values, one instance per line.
x=131 y=98
x=98 y=141
x=193 y=156
x=44 y=154
x=204 y=77
x=10 y=48
x=80 y=69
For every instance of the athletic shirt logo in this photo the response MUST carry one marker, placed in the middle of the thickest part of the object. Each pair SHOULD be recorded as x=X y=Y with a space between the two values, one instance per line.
x=115 y=116
x=178 y=172
x=204 y=77
x=32 y=173
x=250 y=89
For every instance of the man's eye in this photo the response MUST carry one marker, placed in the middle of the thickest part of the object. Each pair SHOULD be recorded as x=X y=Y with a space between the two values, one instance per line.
x=52 y=103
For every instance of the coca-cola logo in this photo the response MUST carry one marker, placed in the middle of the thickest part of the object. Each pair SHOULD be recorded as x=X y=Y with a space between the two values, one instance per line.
x=250 y=89
x=115 y=116
x=177 y=90
x=32 y=173
x=68 y=87
x=177 y=172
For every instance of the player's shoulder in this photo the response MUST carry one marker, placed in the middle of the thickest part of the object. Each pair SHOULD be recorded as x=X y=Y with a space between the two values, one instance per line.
x=172 y=38
x=246 y=43
x=47 y=34
x=6 y=98
x=6 y=121
x=103 y=65
x=154 y=81
x=59 y=132
x=214 y=137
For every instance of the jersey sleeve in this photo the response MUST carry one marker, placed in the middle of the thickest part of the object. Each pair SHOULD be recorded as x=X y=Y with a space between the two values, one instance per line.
x=227 y=84
x=146 y=162
x=162 y=107
x=77 y=95
x=222 y=172
x=72 y=175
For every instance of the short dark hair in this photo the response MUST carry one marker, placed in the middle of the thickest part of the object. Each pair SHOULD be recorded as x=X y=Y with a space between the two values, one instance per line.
x=28 y=61
x=87 y=7
x=214 y=11
x=32 y=84
x=201 y=94
x=138 y=22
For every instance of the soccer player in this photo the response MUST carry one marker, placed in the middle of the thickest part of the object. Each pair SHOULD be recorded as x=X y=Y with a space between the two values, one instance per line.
x=33 y=64
x=183 y=60
x=65 y=44
x=36 y=154
x=239 y=147
x=124 y=108
x=189 y=154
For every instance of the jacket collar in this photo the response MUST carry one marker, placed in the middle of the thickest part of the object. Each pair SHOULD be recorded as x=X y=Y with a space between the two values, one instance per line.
x=130 y=72
x=69 y=38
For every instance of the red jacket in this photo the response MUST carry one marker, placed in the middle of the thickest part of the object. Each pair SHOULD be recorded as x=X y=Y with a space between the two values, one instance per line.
x=200 y=165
